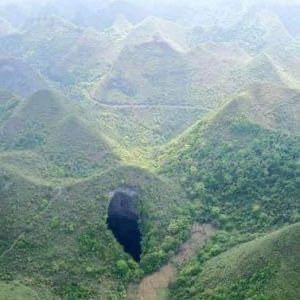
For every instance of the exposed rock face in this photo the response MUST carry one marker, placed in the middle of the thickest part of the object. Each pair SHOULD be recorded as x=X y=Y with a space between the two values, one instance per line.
x=123 y=220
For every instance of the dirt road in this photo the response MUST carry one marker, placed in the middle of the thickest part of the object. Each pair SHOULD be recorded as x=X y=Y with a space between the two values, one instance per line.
x=155 y=286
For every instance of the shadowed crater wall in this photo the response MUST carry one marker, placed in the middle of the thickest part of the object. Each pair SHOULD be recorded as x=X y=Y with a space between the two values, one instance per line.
x=123 y=220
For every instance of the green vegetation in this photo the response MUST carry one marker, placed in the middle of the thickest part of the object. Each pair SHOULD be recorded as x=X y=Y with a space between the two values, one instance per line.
x=18 y=77
x=81 y=58
x=144 y=68
x=194 y=107
x=18 y=291
x=47 y=126
x=8 y=103
x=221 y=177
x=242 y=176
x=265 y=268
x=72 y=251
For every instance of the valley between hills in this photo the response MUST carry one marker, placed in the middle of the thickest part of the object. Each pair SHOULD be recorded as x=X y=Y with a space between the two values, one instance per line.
x=149 y=150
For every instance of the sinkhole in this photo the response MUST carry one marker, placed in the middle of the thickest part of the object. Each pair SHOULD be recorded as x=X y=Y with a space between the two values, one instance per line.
x=123 y=221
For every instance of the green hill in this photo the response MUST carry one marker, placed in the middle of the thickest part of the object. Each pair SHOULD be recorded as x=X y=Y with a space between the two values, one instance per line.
x=19 y=77
x=156 y=27
x=67 y=60
x=237 y=167
x=149 y=73
x=144 y=104
x=61 y=170
x=57 y=236
x=253 y=31
x=82 y=57
x=211 y=69
x=265 y=268
x=8 y=104
x=18 y=291
x=87 y=59
x=262 y=68
x=142 y=127
x=144 y=100
x=213 y=62
x=48 y=126
x=137 y=122
x=269 y=106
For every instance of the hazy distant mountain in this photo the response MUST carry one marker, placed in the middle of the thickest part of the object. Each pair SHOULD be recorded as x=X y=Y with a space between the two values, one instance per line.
x=5 y=27
x=19 y=77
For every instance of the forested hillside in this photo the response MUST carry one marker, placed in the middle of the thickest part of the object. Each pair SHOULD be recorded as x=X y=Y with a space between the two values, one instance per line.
x=149 y=149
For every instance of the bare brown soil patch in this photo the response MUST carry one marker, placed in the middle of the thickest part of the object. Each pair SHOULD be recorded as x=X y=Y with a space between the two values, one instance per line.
x=155 y=286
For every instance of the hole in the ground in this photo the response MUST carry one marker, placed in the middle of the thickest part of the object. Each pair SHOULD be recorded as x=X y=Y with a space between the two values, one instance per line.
x=123 y=221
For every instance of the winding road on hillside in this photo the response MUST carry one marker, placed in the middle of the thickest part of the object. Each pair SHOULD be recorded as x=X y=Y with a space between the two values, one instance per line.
x=154 y=106
x=155 y=286
x=145 y=105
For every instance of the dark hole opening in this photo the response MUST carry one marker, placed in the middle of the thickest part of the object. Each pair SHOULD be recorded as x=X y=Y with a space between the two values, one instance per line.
x=123 y=222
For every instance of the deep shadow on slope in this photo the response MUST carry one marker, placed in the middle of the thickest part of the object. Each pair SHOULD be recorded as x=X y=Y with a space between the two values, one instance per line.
x=123 y=222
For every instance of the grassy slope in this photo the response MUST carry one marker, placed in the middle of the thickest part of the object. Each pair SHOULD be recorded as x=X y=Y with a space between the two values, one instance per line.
x=18 y=291
x=240 y=168
x=265 y=268
x=157 y=27
x=83 y=57
x=63 y=241
x=270 y=106
x=161 y=90
x=154 y=73
x=47 y=126
x=57 y=170
x=152 y=80
x=63 y=246
x=19 y=77
x=211 y=68
x=252 y=31
x=260 y=69
x=245 y=173
x=141 y=128
x=149 y=73
x=8 y=103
